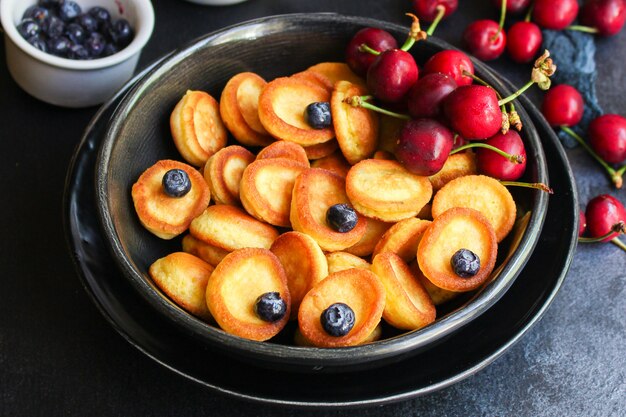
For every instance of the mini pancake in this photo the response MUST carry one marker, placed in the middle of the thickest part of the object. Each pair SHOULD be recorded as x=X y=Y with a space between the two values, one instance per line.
x=314 y=192
x=389 y=132
x=337 y=71
x=239 y=105
x=457 y=165
x=334 y=162
x=402 y=238
x=340 y=261
x=360 y=289
x=321 y=150
x=282 y=105
x=356 y=128
x=163 y=215
x=304 y=263
x=231 y=228
x=234 y=287
x=482 y=193
x=386 y=191
x=407 y=306
x=284 y=149
x=316 y=78
x=438 y=295
x=300 y=340
x=384 y=155
x=457 y=228
x=183 y=278
x=266 y=188
x=208 y=253
x=223 y=173
x=197 y=127
x=373 y=233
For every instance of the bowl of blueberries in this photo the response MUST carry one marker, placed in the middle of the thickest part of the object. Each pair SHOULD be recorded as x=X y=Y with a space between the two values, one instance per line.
x=74 y=53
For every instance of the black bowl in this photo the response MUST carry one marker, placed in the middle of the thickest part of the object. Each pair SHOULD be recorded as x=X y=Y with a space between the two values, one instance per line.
x=139 y=135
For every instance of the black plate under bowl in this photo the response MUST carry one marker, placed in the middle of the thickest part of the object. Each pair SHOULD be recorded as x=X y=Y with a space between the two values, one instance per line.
x=139 y=135
x=455 y=358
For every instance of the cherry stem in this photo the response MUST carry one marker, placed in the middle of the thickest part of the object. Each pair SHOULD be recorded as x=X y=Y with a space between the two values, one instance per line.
x=618 y=243
x=516 y=159
x=536 y=185
x=481 y=81
x=585 y=29
x=502 y=16
x=616 y=176
x=618 y=227
x=441 y=10
x=529 y=13
x=366 y=48
x=361 y=101
x=415 y=33
x=516 y=94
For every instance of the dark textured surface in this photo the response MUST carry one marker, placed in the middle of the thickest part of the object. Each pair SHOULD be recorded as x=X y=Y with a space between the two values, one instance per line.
x=60 y=357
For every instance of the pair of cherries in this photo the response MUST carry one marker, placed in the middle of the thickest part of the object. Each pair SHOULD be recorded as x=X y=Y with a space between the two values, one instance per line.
x=563 y=107
x=603 y=221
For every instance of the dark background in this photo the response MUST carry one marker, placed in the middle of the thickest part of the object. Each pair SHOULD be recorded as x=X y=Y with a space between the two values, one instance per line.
x=58 y=356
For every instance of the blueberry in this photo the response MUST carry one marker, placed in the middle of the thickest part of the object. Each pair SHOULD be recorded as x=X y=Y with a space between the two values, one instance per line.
x=76 y=33
x=465 y=263
x=55 y=27
x=88 y=22
x=110 y=49
x=69 y=10
x=102 y=16
x=37 y=13
x=270 y=307
x=121 y=33
x=59 y=46
x=28 y=28
x=38 y=42
x=176 y=183
x=49 y=4
x=77 y=51
x=318 y=115
x=341 y=217
x=95 y=44
x=338 y=319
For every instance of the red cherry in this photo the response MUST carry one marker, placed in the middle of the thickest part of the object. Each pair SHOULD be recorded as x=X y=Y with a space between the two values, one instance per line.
x=452 y=63
x=607 y=16
x=485 y=39
x=523 y=41
x=555 y=14
x=607 y=136
x=562 y=106
x=377 y=39
x=582 y=223
x=497 y=166
x=513 y=6
x=424 y=146
x=427 y=11
x=473 y=111
x=391 y=75
x=602 y=213
x=427 y=94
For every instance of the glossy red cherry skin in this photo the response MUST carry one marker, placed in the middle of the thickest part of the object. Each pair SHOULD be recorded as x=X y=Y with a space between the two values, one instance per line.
x=554 y=14
x=485 y=39
x=562 y=106
x=523 y=41
x=602 y=213
x=582 y=223
x=391 y=75
x=513 y=6
x=426 y=10
x=424 y=146
x=377 y=39
x=608 y=16
x=473 y=112
x=607 y=136
x=495 y=165
x=425 y=97
x=452 y=63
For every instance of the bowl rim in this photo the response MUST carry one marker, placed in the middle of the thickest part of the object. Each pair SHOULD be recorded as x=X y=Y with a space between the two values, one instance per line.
x=319 y=358
x=143 y=27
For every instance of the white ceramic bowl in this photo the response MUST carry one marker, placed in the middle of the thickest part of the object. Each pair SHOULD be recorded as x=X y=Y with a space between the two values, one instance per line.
x=73 y=83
